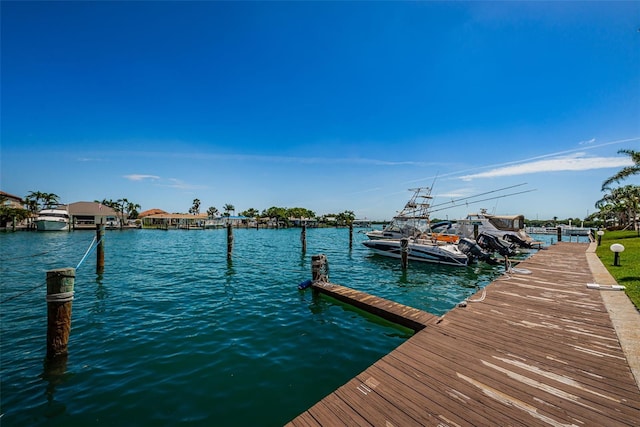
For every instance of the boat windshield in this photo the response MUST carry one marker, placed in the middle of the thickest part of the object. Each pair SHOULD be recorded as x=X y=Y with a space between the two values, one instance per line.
x=54 y=215
x=409 y=226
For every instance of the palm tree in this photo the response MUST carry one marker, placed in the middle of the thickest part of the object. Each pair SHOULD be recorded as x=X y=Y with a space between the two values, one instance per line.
x=195 y=209
x=51 y=200
x=131 y=210
x=41 y=200
x=623 y=202
x=626 y=171
x=33 y=201
x=212 y=212
x=228 y=208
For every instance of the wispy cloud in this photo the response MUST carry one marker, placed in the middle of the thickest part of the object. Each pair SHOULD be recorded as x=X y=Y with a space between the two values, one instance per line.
x=181 y=185
x=576 y=162
x=589 y=142
x=140 y=177
x=272 y=159
x=90 y=159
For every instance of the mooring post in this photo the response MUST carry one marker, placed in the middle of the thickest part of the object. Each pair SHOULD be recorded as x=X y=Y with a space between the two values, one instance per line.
x=100 y=248
x=404 y=252
x=229 y=241
x=319 y=268
x=59 y=300
x=350 y=235
x=559 y=231
x=475 y=232
x=303 y=237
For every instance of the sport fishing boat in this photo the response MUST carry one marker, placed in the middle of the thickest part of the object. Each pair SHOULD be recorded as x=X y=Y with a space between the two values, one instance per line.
x=411 y=221
x=53 y=219
x=426 y=250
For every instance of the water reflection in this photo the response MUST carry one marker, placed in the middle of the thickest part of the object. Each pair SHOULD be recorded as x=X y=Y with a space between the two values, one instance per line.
x=55 y=374
x=101 y=293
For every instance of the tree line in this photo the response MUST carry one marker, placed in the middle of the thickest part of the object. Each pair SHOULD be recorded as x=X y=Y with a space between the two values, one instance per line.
x=280 y=214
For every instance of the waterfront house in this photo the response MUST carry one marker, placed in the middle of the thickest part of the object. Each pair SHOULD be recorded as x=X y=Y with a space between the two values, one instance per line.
x=11 y=201
x=86 y=215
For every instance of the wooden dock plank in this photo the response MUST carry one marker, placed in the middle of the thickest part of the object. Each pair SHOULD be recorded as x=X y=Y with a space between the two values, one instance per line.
x=527 y=386
x=389 y=310
x=537 y=348
x=332 y=407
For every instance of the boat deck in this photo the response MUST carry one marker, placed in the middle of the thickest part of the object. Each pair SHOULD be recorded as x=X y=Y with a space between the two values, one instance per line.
x=539 y=349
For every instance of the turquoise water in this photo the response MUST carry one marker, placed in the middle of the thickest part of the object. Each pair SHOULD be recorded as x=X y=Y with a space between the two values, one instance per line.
x=172 y=333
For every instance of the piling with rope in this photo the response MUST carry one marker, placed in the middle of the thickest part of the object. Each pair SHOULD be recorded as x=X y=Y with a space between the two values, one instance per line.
x=60 y=292
x=100 y=249
x=404 y=252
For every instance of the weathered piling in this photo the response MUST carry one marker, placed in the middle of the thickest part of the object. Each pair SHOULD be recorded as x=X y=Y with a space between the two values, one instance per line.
x=475 y=231
x=59 y=300
x=100 y=249
x=303 y=237
x=559 y=235
x=404 y=252
x=229 y=241
x=350 y=235
x=319 y=268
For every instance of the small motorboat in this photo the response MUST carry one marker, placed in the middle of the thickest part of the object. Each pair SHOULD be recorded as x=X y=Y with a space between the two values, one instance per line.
x=425 y=250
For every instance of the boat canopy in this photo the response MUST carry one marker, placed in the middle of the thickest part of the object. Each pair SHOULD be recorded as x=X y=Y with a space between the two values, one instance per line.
x=507 y=222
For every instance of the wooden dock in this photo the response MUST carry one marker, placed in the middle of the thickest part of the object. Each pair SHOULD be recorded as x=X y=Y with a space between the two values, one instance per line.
x=539 y=350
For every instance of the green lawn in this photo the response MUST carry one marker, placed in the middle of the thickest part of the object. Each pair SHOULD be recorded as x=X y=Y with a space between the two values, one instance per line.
x=628 y=272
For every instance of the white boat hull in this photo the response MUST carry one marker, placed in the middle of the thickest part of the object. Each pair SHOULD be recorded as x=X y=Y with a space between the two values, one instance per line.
x=419 y=250
x=52 y=225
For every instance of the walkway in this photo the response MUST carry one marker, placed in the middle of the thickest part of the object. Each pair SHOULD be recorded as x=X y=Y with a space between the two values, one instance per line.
x=540 y=349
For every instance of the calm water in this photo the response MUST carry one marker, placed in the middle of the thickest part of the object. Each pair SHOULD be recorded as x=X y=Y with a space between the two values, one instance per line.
x=173 y=334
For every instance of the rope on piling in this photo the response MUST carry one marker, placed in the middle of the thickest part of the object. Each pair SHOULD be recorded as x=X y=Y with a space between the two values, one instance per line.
x=92 y=246
x=23 y=257
x=89 y=250
x=23 y=293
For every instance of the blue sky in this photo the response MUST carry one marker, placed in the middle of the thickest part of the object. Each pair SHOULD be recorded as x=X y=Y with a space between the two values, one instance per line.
x=329 y=106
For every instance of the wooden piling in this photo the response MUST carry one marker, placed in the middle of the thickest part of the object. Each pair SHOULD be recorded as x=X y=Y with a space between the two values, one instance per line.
x=303 y=237
x=404 y=252
x=59 y=300
x=559 y=231
x=100 y=249
x=350 y=235
x=319 y=268
x=229 y=241
x=475 y=231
